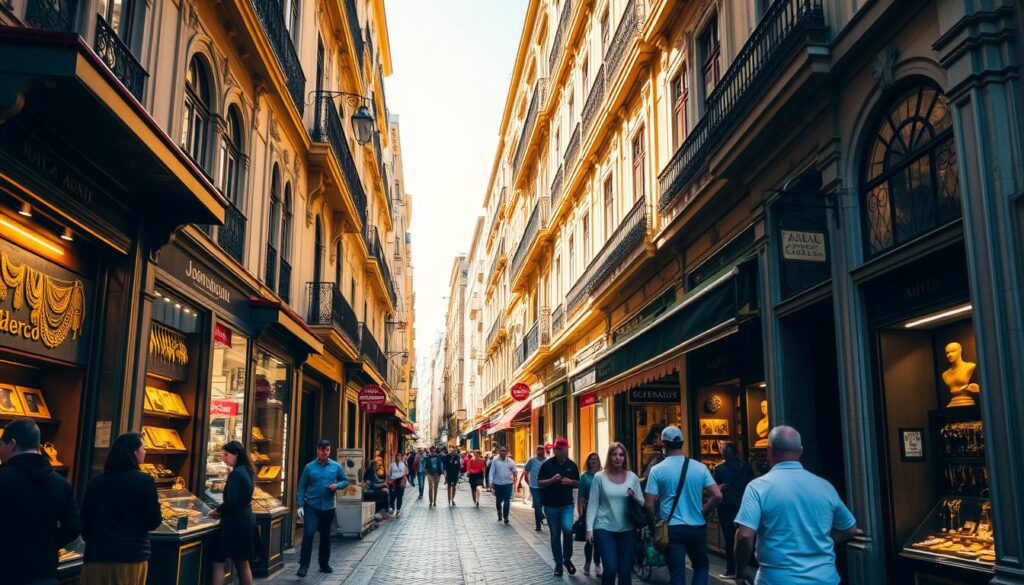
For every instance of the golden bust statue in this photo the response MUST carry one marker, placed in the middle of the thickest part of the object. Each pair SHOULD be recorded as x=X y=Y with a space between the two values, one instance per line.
x=762 y=427
x=958 y=377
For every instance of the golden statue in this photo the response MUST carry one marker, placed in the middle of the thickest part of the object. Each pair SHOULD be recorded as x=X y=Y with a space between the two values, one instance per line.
x=762 y=427
x=958 y=377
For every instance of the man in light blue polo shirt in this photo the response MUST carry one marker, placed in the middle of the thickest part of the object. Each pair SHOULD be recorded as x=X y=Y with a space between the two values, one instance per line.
x=532 y=469
x=698 y=496
x=798 y=519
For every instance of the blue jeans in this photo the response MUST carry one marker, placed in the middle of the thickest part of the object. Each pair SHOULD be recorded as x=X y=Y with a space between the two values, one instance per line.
x=538 y=508
x=315 y=521
x=617 y=551
x=502 y=499
x=686 y=541
x=560 y=526
x=419 y=480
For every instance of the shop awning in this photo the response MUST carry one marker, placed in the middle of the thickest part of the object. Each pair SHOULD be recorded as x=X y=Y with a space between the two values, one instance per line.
x=408 y=426
x=505 y=421
x=704 y=314
x=267 y=312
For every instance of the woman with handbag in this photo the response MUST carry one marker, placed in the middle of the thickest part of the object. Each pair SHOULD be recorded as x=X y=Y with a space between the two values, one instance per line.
x=397 y=474
x=237 y=523
x=591 y=467
x=615 y=495
x=475 y=471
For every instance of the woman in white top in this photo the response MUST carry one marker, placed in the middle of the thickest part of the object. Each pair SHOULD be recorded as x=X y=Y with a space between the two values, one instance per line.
x=397 y=473
x=608 y=519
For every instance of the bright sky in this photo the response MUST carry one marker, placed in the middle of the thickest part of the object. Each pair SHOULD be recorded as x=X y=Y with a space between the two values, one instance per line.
x=452 y=62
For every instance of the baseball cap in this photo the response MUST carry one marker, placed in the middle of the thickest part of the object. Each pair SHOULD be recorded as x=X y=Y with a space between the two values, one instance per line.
x=561 y=443
x=672 y=435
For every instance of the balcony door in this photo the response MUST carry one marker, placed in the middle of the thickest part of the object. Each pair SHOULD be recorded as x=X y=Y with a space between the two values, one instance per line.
x=119 y=15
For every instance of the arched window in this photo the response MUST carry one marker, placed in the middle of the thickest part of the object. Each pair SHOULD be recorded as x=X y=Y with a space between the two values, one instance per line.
x=285 y=274
x=911 y=183
x=231 y=156
x=273 y=223
x=196 y=117
x=337 y=264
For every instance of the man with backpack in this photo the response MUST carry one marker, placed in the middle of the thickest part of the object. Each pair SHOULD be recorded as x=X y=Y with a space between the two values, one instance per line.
x=434 y=466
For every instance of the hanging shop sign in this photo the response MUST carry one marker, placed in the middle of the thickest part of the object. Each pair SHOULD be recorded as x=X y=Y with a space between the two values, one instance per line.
x=373 y=399
x=205 y=281
x=585 y=380
x=223 y=408
x=655 y=396
x=556 y=392
x=519 y=392
x=43 y=307
x=588 y=399
x=804 y=246
x=222 y=335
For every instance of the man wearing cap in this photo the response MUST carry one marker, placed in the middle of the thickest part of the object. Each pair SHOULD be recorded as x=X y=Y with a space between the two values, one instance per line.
x=557 y=478
x=682 y=492
x=321 y=479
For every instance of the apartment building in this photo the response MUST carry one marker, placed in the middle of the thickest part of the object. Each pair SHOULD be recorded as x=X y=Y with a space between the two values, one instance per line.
x=218 y=187
x=730 y=215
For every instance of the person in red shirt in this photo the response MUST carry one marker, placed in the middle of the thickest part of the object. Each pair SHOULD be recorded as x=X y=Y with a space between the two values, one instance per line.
x=475 y=469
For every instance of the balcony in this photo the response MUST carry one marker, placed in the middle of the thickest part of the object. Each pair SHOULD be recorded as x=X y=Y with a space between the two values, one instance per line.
x=539 y=90
x=371 y=353
x=630 y=24
x=382 y=171
x=50 y=15
x=538 y=221
x=118 y=57
x=557 y=320
x=376 y=251
x=556 y=187
x=496 y=332
x=231 y=235
x=494 y=396
x=557 y=41
x=594 y=99
x=327 y=128
x=284 y=283
x=329 y=308
x=572 y=150
x=498 y=208
x=626 y=239
x=497 y=263
x=269 y=13
x=781 y=28
x=355 y=32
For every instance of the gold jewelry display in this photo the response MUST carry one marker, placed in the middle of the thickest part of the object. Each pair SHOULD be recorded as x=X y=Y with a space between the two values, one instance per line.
x=167 y=345
x=50 y=450
x=57 y=307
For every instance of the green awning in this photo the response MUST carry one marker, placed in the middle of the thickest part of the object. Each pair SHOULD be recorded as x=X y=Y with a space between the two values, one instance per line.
x=728 y=297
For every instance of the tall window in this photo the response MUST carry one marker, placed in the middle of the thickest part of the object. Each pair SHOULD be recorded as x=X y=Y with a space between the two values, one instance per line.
x=290 y=11
x=284 y=279
x=680 y=99
x=319 y=65
x=572 y=108
x=231 y=158
x=587 y=246
x=639 y=156
x=605 y=31
x=911 y=183
x=337 y=264
x=273 y=222
x=196 y=117
x=710 y=56
x=572 y=258
x=318 y=250
x=609 y=208
x=585 y=74
x=558 y=280
x=119 y=15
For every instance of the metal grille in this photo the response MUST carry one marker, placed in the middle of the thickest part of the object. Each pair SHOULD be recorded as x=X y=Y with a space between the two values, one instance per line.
x=271 y=270
x=328 y=307
x=572 y=150
x=371 y=352
x=556 y=188
x=626 y=238
x=231 y=235
x=327 y=128
x=284 y=284
x=629 y=29
x=538 y=221
x=557 y=320
x=272 y=19
x=594 y=99
x=556 y=42
x=355 y=31
x=531 y=120
x=119 y=59
x=58 y=15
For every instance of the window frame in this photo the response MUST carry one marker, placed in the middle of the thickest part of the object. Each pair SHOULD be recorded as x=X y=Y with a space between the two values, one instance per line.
x=197 y=111
x=639 y=175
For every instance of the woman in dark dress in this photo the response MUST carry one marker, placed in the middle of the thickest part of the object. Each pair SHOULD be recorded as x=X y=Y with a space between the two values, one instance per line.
x=237 y=523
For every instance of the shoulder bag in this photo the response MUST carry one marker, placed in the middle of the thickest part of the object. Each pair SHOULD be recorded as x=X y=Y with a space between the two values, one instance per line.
x=637 y=513
x=660 y=536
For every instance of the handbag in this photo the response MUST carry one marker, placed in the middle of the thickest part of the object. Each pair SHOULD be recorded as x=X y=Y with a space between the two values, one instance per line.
x=661 y=526
x=637 y=514
x=579 y=529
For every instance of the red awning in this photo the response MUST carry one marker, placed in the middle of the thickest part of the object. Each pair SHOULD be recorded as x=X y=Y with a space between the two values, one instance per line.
x=506 y=419
x=409 y=427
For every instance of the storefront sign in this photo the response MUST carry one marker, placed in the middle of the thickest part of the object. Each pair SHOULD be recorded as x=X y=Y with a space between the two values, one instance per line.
x=44 y=309
x=655 y=396
x=588 y=399
x=103 y=431
x=223 y=408
x=204 y=280
x=556 y=392
x=803 y=246
x=222 y=335
x=519 y=392
x=584 y=380
x=372 y=398
x=538 y=402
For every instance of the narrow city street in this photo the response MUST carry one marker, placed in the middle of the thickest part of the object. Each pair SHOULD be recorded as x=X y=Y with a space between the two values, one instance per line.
x=447 y=546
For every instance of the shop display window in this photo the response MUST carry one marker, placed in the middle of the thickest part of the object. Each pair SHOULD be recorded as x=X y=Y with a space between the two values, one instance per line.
x=651 y=419
x=227 y=405
x=269 y=444
x=182 y=512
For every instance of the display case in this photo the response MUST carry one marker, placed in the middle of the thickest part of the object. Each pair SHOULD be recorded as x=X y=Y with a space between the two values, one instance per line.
x=959 y=531
x=183 y=512
x=69 y=561
x=266 y=503
x=269 y=436
x=226 y=408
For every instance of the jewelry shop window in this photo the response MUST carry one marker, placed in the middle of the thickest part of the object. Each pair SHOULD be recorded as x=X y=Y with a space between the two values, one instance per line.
x=270 y=430
x=227 y=404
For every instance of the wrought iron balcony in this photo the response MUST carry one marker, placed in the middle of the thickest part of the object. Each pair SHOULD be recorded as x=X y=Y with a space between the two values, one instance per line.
x=785 y=24
x=231 y=235
x=51 y=14
x=374 y=246
x=539 y=91
x=118 y=58
x=370 y=351
x=628 y=30
x=572 y=150
x=498 y=262
x=556 y=187
x=627 y=238
x=271 y=268
x=594 y=99
x=557 y=320
x=498 y=208
x=382 y=170
x=556 y=41
x=495 y=394
x=496 y=331
x=329 y=308
x=538 y=221
x=272 y=19
x=520 y=355
x=355 y=31
x=327 y=128
x=284 y=282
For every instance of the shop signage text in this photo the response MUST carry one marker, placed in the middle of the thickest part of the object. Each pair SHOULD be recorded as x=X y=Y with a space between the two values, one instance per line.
x=223 y=408
x=519 y=392
x=584 y=380
x=538 y=402
x=199 y=277
x=588 y=399
x=803 y=246
x=654 y=396
x=556 y=392
x=222 y=335
x=373 y=399
x=205 y=282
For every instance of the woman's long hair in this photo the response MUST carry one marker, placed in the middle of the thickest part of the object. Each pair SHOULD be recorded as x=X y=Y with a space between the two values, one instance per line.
x=586 y=462
x=611 y=450
x=122 y=453
x=244 y=461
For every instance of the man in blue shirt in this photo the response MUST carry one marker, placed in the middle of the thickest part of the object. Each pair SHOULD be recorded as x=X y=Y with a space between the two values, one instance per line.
x=798 y=519
x=532 y=469
x=683 y=502
x=320 y=481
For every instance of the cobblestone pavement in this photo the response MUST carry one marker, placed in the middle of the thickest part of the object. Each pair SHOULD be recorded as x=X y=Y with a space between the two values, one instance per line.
x=449 y=546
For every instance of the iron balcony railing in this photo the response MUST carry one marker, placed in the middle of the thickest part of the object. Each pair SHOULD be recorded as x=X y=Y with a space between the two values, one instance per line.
x=51 y=14
x=556 y=188
x=284 y=281
x=594 y=99
x=538 y=221
x=271 y=268
x=539 y=88
x=327 y=128
x=374 y=246
x=572 y=150
x=498 y=207
x=556 y=42
x=118 y=58
x=496 y=327
x=557 y=320
x=355 y=31
x=329 y=308
x=498 y=261
x=628 y=30
x=495 y=394
x=272 y=19
x=785 y=23
x=231 y=235
x=519 y=356
x=627 y=238
x=370 y=351
x=383 y=171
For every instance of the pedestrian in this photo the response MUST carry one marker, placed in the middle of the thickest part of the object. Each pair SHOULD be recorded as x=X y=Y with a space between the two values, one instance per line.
x=38 y=513
x=591 y=466
x=320 y=480
x=434 y=467
x=411 y=463
x=503 y=477
x=675 y=490
x=452 y=472
x=119 y=510
x=475 y=471
x=487 y=470
x=532 y=469
x=376 y=489
x=797 y=516
x=237 y=538
x=609 y=525
x=558 y=476
x=732 y=477
x=398 y=473
x=421 y=471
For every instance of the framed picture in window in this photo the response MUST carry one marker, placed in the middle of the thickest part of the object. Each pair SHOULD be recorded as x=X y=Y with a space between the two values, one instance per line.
x=33 y=403
x=911 y=444
x=10 y=404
